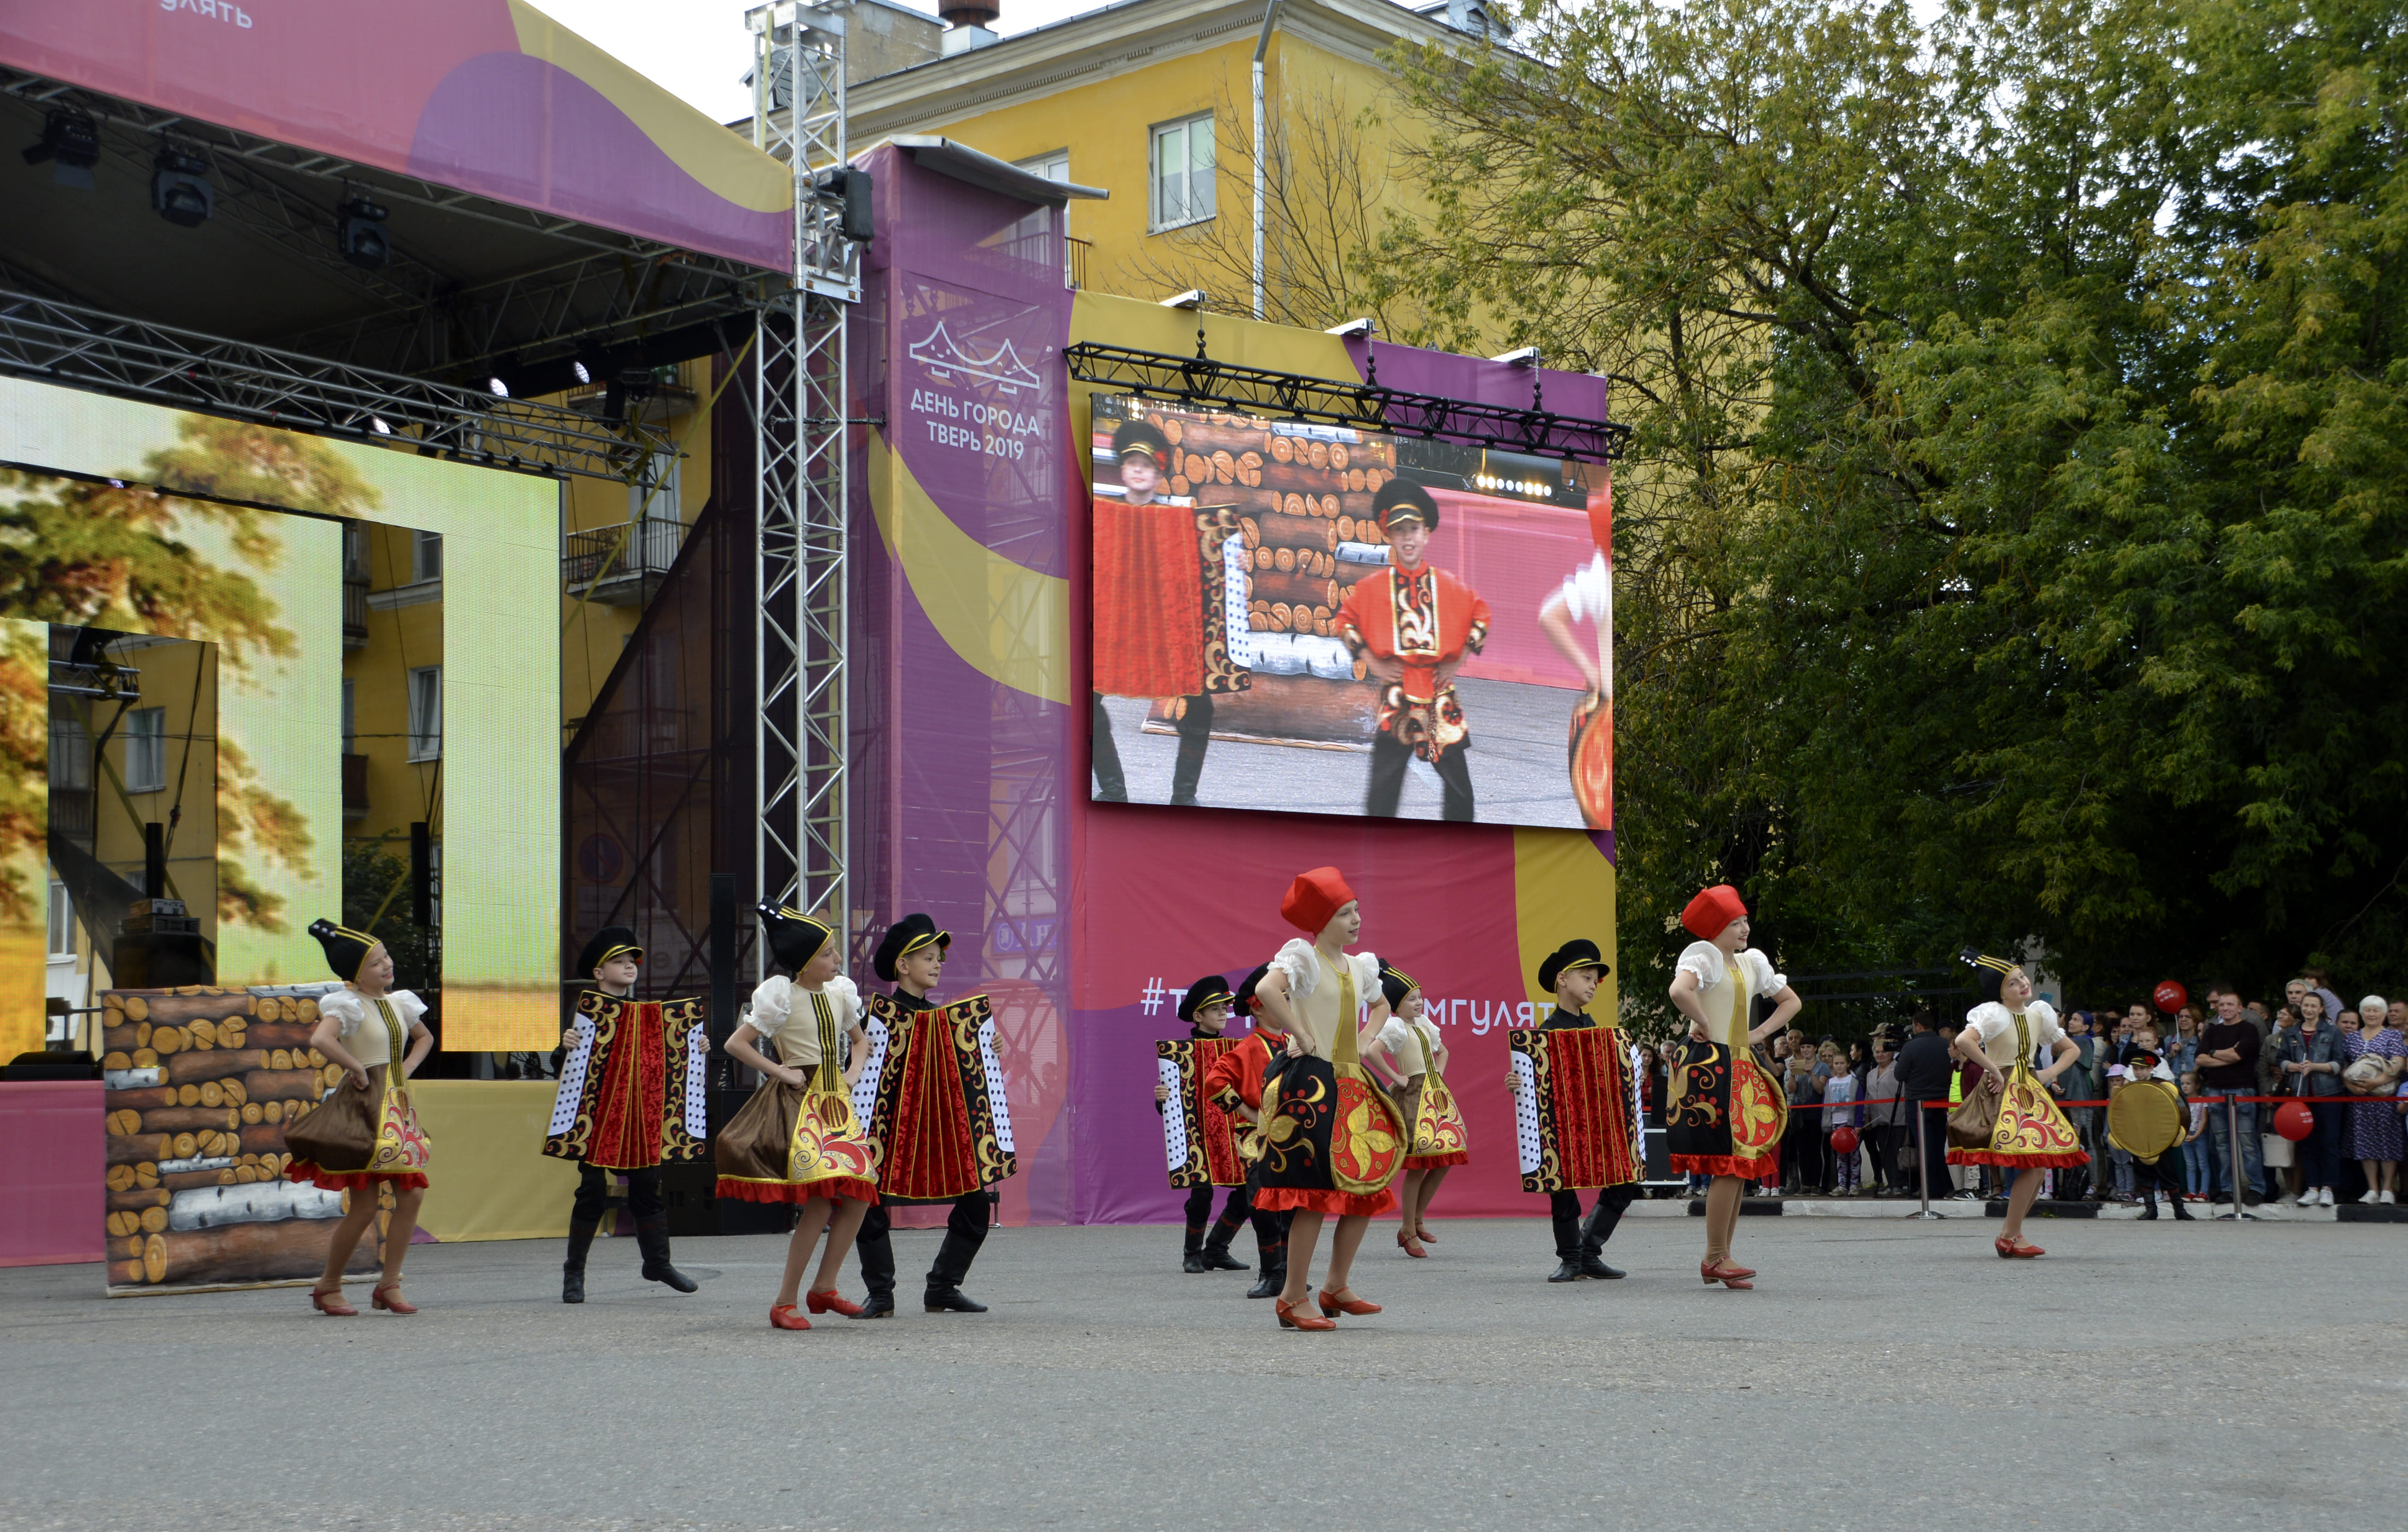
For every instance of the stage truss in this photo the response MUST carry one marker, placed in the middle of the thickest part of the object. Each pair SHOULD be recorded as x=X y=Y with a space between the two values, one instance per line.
x=802 y=462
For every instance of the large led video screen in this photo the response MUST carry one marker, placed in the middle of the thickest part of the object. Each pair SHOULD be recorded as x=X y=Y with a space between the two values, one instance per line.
x=220 y=663
x=1309 y=619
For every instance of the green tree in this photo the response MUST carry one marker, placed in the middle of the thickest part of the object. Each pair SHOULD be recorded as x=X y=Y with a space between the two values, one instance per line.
x=2015 y=515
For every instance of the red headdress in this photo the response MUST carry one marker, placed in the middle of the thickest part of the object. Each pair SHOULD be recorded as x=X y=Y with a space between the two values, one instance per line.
x=1713 y=910
x=1313 y=898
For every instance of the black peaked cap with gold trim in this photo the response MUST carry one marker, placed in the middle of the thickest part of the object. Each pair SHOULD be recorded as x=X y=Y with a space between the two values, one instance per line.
x=1579 y=953
x=1209 y=990
x=905 y=937
x=1395 y=984
x=1140 y=436
x=1244 y=999
x=1988 y=972
x=346 y=949
x=1402 y=500
x=609 y=942
x=794 y=938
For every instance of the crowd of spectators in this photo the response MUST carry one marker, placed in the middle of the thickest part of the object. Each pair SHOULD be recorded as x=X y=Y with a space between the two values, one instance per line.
x=1857 y=1125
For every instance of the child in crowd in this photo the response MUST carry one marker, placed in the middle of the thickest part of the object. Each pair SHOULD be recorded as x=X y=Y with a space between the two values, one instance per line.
x=2194 y=1146
x=1840 y=1096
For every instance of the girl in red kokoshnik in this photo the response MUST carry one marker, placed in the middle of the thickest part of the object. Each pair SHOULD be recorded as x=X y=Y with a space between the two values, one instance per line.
x=1332 y=1142
x=1723 y=1117
x=2031 y=1134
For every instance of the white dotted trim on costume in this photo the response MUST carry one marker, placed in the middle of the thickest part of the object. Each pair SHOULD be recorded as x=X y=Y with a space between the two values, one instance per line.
x=864 y=1089
x=697 y=1121
x=1174 y=1119
x=995 y=1097
x=1526 y=1111
x=572 y=1079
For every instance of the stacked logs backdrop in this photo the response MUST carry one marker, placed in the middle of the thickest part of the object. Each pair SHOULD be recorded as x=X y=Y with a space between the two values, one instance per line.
x=200 y=1085
x=1304 y=502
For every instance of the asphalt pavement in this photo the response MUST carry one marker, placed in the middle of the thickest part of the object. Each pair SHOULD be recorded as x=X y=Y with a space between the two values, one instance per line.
x=1883 y=1374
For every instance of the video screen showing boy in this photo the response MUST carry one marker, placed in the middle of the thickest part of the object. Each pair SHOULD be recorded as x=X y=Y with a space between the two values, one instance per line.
x=1149 y=612
x=1413 y=626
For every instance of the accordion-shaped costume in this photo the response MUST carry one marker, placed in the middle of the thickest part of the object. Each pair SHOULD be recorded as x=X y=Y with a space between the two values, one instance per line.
x=792 y=1144
x=631 y=1084
x=1199 y=1139
x=1575 y=1108
x=932 y=1097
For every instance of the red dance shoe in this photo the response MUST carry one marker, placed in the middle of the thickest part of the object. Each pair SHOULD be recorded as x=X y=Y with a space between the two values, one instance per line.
x=1411 y=1246
x=782 y=1317
x=1333 y=1305
x=821 y=1303
x=1420 y=1232
x=1728 y=1275
x=1298 y=1316
x=396 y=1303
x=319 y=1300
x=2017 y=1249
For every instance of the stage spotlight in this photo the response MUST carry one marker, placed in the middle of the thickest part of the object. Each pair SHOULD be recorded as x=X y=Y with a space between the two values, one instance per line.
x=1194 y=298
x=584 y=374
x=498 y=389
x=70 y=142
x=1353 y=329
x=361 y=234
x=1525 y=357
x=179 y=189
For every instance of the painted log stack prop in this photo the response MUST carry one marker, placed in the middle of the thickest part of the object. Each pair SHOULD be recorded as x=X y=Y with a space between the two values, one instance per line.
x=200 y=1085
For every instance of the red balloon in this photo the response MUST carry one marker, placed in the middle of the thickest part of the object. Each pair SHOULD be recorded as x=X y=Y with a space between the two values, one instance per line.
x=2294 y=1121
x=1843 y=1138
x=2170 y=996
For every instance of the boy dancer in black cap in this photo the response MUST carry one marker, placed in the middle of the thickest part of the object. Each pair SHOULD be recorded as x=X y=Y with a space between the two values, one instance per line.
x=628 y=1098
x=1235 y=1082
x=1149 y=617
x=912 y=959
x=1612 y=1165
x=1414 y=626
x=1212 y=1157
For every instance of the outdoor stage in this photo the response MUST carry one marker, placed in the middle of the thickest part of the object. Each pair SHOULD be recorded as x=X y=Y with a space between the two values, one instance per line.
x=1884 y=1374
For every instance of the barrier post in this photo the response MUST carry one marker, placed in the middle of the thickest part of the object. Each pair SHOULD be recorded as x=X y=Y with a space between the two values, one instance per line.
x=1922 y=1155
x=2232 y=1161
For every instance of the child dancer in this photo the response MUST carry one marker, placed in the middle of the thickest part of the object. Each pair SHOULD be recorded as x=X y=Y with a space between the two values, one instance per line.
x=1235 y=1084
x=1205 y=1008
x=1439 y=1141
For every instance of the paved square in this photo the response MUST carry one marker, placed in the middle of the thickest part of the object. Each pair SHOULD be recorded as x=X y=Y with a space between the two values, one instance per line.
x=1885 y=1374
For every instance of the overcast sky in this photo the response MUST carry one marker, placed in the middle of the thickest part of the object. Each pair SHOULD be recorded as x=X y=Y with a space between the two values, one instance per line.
x=700 y=50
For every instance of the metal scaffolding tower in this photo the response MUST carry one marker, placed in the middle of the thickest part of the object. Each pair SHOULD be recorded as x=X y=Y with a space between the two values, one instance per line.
x=801 y=460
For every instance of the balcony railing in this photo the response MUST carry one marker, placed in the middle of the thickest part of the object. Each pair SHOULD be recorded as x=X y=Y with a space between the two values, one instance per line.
x=355 y=613
x=621 y=566
x=1074 y=259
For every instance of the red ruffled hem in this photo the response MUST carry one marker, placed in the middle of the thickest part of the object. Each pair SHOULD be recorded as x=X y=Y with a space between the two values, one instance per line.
x=1759 y=1168
x=351 y=1180
x=2066 y=1161
x=839 y=1189
x=1275 y=1199
x=1437 y=1162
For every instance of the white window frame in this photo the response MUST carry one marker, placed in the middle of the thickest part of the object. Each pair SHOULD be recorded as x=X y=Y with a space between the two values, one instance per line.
x=425 y=557
x=426 y=713
x=146 y=749
x=1157 y=220
x=70 y=758
x=61 y=922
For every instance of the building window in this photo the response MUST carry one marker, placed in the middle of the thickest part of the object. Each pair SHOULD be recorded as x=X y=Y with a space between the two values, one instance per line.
x=70 y=757
x=351 y=719
x=146 y=749
x=425 y=556
x=426 y=713
x=61 y=921
x=661 y=492
x=355 y=550
x=1182 y=173
x=1053 y=167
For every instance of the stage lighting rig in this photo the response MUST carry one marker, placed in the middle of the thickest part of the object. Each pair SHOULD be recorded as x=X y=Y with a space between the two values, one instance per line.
x=180 y=191
x=70 y=142
x=361 y=233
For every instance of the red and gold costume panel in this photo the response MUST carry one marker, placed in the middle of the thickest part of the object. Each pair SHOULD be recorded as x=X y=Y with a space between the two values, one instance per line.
x=939 y=1120
x=1574 y=1112
x=1723 y=1116
x=1199 y=1135
x=631 y=1084
x=2032 y=1132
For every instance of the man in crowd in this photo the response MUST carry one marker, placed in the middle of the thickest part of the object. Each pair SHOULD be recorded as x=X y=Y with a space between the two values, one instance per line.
x=2227 y=1067
x=1924 y=1070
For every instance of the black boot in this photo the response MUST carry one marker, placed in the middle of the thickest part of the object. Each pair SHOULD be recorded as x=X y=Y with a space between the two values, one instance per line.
x=2149 y=1205
x=952 y=1300
x=1194 y=728
x=572 y=1270
x=1217 y=1258
x=1566 y=1271
x=2181 y=1214
x=1110 y=785
x=1274 y=1275
x=1567 y=1241
x=881 y=1306
x=653 y=1238
x=1602 y=1221
x=1192 y=1254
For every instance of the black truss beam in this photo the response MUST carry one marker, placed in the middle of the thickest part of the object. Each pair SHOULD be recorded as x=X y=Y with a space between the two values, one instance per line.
x=1368 y=407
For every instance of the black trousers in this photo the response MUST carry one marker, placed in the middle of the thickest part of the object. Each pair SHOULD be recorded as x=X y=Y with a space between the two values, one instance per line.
x=1194 y=727
x=1572 y=1238
x=965 y=1232
x=1934 y=1128
x=1389 y=756
x=594 y=1191
x=1234 y=1214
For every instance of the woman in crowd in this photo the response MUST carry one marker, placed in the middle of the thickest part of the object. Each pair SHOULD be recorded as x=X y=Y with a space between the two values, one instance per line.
x=2375 y=1136
x=2312 y=1058
x=2182 y=1048
x=1804 y=1149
